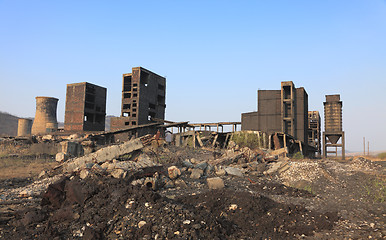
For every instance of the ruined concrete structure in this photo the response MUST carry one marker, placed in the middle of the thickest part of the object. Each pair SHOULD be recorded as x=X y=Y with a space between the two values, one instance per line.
x=24 y=127
x=333 y=131
x=314 y=132
x=45 y=117
x=143 y=99
x=85 y=107
x=284 y=110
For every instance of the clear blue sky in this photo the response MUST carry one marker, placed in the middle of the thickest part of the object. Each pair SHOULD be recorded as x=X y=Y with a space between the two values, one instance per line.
x=214 y=54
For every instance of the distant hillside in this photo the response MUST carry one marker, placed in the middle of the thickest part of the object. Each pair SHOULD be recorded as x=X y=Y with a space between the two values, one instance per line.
x=8 y=124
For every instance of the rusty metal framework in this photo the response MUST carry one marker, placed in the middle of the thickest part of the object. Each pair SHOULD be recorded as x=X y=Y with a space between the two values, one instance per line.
x=314 y=132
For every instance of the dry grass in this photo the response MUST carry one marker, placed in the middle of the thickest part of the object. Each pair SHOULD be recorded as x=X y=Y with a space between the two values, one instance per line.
x=21 y=168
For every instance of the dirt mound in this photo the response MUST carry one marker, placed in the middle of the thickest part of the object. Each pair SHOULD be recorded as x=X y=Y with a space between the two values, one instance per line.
x=107 y=208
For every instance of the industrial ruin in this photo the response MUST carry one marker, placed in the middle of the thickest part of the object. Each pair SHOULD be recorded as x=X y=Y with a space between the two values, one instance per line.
x=151 y=178
x=314 y=131
x=282 y=117
x=283 y=112
x=85 y=107
x=143 y=99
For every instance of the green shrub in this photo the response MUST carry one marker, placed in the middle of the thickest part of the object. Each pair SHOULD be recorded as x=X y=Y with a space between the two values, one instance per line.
x=298 y=155
x=244 y=139
x=382 y=155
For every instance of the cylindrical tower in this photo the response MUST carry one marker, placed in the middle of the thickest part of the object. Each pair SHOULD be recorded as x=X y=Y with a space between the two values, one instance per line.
x=333 y=116
x=45 y=116
x=24 y=127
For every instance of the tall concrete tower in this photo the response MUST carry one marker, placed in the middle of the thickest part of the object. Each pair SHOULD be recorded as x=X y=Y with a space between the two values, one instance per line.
x=45 y=117
x=333 y=130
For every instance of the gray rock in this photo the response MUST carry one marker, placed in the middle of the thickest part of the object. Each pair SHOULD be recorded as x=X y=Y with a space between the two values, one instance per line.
x=61 y=157
x=208 y=170
x=169 y=184
x=187 y=163
x=144 y=161
x=215 y=183
x=202 y=166
x=174 y=172
x=84 y=173
x=220 y=171
x=273 y=167
x=180 y=183
x=196 y=173
x=43 y=174
x=233 y=171
x=89 y=165
x=118 y=173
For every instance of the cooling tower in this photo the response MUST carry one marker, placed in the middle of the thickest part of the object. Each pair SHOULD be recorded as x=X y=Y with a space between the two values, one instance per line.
x=45 y=116
x=24 y=127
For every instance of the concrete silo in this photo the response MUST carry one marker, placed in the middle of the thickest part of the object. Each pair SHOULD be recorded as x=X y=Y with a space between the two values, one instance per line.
x=333 y=130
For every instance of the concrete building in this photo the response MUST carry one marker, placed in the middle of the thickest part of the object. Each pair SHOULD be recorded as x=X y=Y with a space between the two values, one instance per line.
x=284 y=110
x=143 y=99
x=45 y=116
x=333 y=130
x=85 y=107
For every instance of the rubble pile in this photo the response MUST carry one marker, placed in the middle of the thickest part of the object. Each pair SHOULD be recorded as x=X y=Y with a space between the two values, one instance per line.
x=302 y=171
x=360 y=163
x=142 y=189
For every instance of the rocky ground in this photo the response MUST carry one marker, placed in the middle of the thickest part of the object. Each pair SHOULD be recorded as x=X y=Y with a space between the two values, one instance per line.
x=148 y=192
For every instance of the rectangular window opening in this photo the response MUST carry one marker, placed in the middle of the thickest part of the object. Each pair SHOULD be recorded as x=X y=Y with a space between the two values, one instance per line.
x=127 y=83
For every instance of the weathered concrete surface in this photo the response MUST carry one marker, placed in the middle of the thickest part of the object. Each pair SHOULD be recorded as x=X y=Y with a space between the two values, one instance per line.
x=215 y=183
x=102 y=155
x=73 y=149
x=24 y=127
x=196 y=173
x=233 y=171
